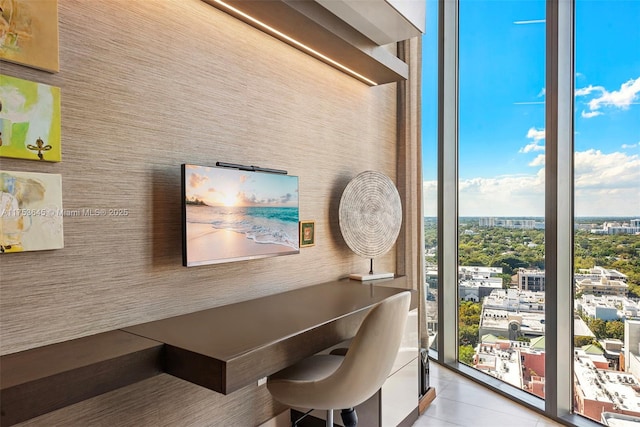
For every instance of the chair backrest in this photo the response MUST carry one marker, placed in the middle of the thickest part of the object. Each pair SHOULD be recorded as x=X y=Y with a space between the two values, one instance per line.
x=371 y=354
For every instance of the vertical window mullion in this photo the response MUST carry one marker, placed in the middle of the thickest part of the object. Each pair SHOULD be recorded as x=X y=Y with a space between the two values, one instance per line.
x=448 y=181
x=559 y=207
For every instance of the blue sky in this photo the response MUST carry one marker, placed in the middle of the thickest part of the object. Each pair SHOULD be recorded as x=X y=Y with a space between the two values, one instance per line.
x=502 y=93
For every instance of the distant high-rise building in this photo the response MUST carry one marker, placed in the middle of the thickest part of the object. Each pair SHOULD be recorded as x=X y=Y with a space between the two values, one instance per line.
x=531 y=280
x=521 y=224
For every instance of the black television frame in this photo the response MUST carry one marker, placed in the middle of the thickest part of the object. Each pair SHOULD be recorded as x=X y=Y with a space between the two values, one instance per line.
x=248 y=256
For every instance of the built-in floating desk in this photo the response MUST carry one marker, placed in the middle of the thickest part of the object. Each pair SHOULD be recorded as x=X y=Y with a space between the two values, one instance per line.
x=229 y=347
x=41 y=380
x=223 y=348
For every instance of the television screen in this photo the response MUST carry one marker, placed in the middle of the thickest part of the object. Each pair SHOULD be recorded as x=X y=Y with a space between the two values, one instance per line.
x=232 y=215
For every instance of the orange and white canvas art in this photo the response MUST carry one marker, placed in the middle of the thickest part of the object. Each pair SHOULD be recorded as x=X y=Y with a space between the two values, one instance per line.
x=29 y=33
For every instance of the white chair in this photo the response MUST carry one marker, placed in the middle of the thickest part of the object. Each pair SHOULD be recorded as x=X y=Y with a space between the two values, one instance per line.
x=330 y=381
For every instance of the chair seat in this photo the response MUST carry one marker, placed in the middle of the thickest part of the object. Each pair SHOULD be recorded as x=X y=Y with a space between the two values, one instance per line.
x=313 y=368
x=297 y=385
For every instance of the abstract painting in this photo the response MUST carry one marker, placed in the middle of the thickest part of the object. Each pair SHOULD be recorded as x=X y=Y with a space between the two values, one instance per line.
x=30 y=211
x=29 y=33
x=29 y=120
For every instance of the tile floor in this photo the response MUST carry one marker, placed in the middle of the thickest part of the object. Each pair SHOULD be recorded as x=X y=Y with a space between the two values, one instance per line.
x=461 y=402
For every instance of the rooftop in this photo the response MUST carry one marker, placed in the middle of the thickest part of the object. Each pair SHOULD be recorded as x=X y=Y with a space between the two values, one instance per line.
x=514 y=299
x=620 y=388
x=531 y=323
x=613 y=419
x=501 y=364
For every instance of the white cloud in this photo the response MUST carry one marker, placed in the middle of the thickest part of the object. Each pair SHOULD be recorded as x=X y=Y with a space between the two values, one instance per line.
x=614 y=170
x=532 y=147
x=587 y=90
x=618 y=98
x=628 y=93
x=536 y=135
x=590 y=114
x=513 y=195
x=538 y=161
x=627 y=146
x=606 y=184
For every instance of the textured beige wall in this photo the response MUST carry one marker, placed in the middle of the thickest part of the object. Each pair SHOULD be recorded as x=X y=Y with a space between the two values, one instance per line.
x=146 y=86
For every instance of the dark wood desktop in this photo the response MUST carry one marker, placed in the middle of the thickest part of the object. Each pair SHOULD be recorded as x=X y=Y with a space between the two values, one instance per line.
x=224 y=348
x=229 y=347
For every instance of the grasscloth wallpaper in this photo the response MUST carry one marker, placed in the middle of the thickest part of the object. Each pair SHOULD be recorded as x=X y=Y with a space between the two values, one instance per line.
x=149 y=85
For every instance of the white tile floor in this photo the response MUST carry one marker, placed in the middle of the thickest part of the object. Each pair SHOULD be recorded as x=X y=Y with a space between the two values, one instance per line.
x=461 y=402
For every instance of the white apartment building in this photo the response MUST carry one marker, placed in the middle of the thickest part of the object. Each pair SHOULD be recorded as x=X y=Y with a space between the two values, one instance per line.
x=602 y=286
x=477 y=282
x=512 y=313
x=597 y=272
x=478 y=272
x=515 y=300
x=607 y=307
x=632 y=227
x=596 y=281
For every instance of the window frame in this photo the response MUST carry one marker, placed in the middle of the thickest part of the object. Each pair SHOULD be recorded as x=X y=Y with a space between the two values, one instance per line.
x=559 y=211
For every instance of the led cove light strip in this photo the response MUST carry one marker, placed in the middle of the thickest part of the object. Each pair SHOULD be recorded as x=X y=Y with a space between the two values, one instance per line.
x=296 y=42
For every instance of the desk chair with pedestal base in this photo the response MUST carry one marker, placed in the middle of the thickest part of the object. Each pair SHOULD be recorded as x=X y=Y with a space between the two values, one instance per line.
x=331 y=381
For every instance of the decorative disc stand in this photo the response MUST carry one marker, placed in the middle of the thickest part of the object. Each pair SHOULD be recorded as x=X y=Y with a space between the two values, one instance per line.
x=370 y=217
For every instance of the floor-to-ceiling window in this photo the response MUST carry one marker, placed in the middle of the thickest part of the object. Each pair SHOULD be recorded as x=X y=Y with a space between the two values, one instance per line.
x=519 y=306
x=607 y=208
x=501 y=140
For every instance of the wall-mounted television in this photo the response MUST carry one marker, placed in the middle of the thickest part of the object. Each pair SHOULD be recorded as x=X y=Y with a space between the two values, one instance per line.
x=233 y=215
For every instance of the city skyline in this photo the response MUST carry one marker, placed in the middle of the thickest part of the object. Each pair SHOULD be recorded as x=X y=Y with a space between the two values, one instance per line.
x=502 y=95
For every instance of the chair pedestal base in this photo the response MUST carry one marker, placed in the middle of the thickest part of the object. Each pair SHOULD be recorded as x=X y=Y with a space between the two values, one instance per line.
x=330 y=418
x=368 y=415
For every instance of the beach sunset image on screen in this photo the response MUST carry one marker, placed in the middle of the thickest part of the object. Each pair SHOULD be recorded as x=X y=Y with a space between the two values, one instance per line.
x=233 y=215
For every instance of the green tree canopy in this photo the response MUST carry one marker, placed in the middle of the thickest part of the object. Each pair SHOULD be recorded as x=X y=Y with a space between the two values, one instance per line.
x=465 y=354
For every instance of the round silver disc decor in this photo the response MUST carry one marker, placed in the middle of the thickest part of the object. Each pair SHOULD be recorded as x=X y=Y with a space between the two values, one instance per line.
x=370 y=214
